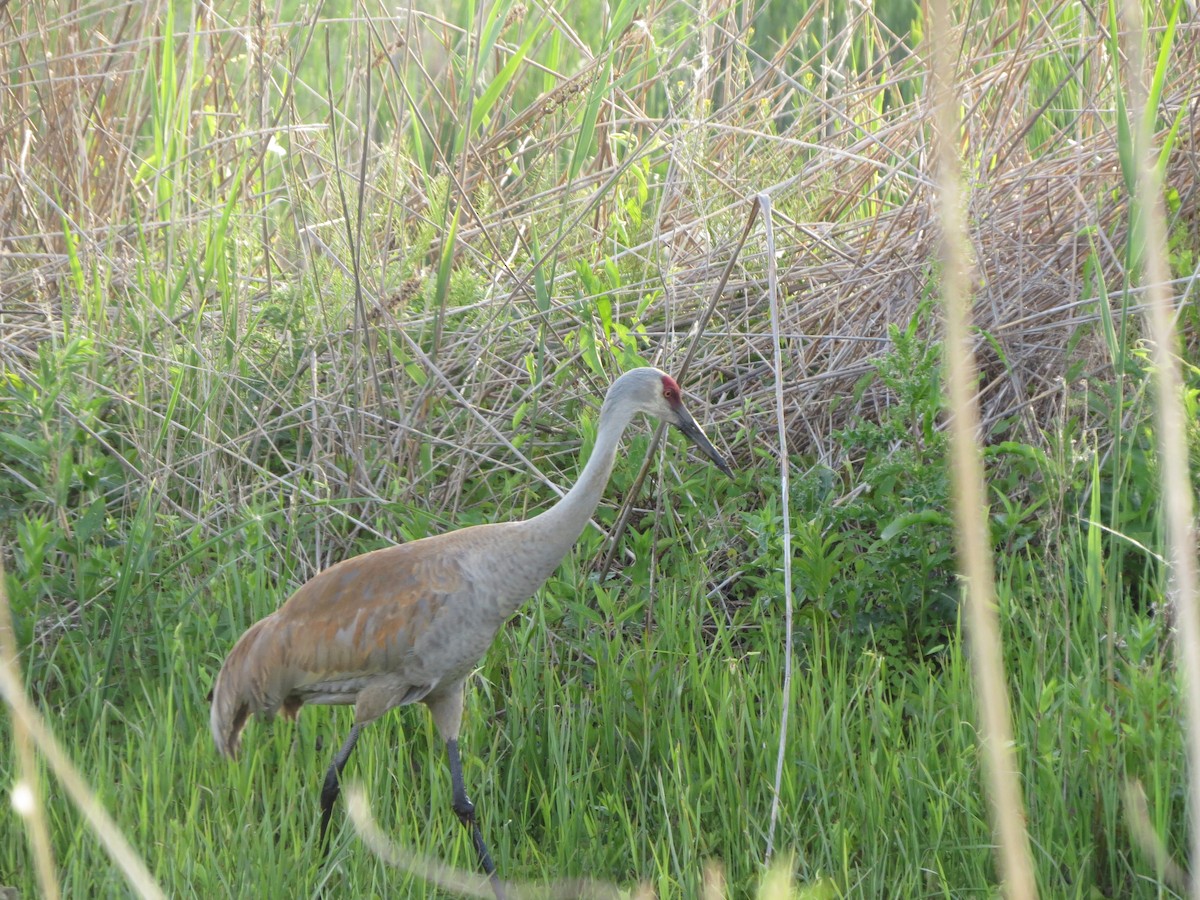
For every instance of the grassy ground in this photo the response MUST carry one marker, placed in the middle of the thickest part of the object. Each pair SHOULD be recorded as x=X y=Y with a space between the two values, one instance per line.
x=598 y=749
x=245 y=334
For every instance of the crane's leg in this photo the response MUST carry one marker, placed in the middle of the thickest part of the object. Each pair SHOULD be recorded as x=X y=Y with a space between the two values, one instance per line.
x=333 y=786
x=465 y=810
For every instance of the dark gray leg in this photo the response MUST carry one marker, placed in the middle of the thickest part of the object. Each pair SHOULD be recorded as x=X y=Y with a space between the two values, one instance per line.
x=333 y=787
x=465 y=810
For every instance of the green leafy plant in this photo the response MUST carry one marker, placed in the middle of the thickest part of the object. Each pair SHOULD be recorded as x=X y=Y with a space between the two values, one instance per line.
x=893 y=530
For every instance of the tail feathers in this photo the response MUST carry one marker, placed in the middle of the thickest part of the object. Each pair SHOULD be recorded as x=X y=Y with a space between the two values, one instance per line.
x=237 y=692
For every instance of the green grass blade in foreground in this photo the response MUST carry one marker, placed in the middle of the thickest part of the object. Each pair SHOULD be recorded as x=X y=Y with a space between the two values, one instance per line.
x=487 y=100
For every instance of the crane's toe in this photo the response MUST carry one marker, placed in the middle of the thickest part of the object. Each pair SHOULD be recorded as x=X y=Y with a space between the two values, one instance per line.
x=464 y=809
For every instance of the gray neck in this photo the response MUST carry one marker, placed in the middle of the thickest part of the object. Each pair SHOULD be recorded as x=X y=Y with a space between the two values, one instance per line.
x=557 y=529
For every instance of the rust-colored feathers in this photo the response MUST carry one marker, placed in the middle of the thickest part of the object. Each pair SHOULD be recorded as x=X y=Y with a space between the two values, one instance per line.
x=377 y=620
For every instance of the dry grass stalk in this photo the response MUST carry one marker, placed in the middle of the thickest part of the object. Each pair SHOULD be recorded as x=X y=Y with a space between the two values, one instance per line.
x=31 y=807
x=466 y=884
x=1005 y=801
x=1183 y=579
x=27 y=720
x=1137 y=818
x=846 y=164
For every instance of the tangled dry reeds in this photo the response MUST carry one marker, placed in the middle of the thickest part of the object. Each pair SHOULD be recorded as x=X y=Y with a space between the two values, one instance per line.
x=460 y=299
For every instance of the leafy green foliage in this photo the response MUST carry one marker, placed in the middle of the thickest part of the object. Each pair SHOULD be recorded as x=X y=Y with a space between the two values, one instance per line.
x=62 y=486
x=875 y=558
x=897 y=527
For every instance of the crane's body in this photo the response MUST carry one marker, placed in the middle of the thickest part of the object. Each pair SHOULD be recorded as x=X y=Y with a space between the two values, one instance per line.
x=423 y=614
x=407 y=624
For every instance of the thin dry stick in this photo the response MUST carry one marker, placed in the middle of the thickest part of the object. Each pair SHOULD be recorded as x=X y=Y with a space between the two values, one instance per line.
x=358 y=808
x=448 y=878
x=25 y=716
x=27 y=780
x=764 y=204
x=1137 y=819
x=1172 y=437
x=701 y=323
x=970 y=499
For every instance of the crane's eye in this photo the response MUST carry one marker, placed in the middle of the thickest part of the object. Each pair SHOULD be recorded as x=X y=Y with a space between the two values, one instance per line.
x=670 y=394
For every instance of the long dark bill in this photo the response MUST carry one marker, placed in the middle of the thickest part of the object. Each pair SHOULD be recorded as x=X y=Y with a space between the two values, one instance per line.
x=692 y=431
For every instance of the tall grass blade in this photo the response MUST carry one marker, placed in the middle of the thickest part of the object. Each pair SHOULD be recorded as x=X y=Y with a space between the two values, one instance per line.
x=1170 y=416
x=970 y=496
x=591 y=114
x=487 y=101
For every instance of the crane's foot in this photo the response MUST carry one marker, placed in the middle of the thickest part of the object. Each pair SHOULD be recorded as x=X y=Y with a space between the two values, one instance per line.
x=465 y=810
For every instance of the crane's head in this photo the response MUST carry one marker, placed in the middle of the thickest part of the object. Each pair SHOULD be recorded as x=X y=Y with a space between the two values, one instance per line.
x=656 y=393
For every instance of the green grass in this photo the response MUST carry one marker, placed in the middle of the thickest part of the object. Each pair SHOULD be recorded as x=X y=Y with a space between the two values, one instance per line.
x=596 y=748
x=602 y=751
x=203 y=405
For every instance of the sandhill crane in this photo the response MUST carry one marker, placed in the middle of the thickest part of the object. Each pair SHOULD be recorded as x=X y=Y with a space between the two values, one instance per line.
x=409 y=623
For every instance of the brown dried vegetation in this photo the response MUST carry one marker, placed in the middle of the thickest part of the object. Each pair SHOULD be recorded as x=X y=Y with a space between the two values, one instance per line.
x=408 y=362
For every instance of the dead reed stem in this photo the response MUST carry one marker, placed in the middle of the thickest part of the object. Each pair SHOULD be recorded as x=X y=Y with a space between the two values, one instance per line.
x=27 y=718
x=1172 y=434
x=27 y=775
x=970 y=496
